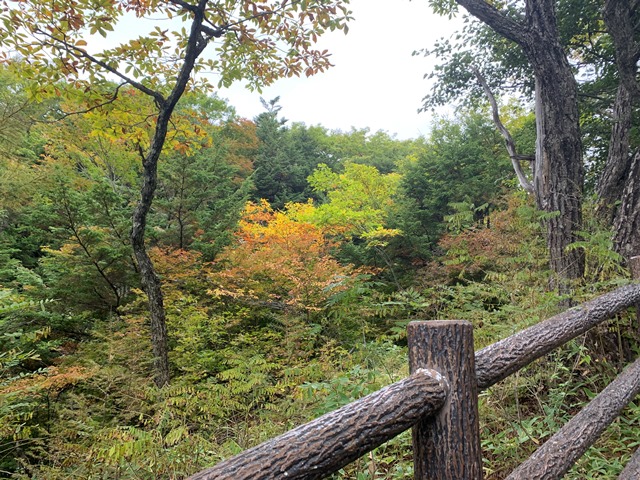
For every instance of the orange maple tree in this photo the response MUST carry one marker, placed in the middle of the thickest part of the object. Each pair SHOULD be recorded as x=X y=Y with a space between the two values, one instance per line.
x=280 y=262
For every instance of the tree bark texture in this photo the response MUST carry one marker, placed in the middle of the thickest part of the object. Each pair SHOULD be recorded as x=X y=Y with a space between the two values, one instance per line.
x=330 y=442
x=619 y=181
x=627 y=223
x=632 y=470
x=634 y=266
x=619 y=17
x=149 y=278
x=507 y=356
x=558 y=454
x=559 y=172
x=446 y=446
x=613 y=178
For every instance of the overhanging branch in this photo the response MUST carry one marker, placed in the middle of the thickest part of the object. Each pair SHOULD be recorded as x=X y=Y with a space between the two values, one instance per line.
x=61 y=44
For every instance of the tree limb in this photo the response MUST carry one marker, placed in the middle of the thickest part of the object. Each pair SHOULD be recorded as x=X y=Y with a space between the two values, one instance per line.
x=64 y=115
x=510 y=144
x=497 y=20
x=61 y=44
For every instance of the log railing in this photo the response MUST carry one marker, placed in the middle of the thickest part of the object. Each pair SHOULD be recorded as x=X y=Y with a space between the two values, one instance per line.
x=440 y=401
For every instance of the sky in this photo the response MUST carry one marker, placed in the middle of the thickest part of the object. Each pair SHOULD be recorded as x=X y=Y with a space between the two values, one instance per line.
x=376 y=83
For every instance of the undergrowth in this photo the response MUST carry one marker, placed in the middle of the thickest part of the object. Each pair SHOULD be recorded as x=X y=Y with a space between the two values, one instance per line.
x=244 y=373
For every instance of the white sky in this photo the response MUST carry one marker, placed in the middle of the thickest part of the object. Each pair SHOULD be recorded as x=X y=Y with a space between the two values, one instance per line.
x=375 y=83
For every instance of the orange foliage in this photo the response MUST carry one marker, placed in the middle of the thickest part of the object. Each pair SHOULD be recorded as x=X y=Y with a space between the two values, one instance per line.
x=174 y=263
x=182 y=271
x=53 y=379
x=495 y=244
x=278 y=260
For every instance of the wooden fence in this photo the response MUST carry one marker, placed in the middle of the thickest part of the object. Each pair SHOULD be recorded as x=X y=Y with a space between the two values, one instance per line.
x=440 y=401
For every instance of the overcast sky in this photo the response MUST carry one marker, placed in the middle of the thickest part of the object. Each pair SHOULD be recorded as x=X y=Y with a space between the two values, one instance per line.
x=375 y=83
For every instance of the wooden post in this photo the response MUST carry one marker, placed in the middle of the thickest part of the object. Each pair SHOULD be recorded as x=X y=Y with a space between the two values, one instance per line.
x=446 y=446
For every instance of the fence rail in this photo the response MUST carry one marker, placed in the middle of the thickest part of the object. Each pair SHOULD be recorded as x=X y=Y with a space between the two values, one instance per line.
x=439 y=400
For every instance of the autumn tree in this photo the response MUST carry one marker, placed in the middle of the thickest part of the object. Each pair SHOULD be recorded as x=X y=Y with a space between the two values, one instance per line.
x=254 y=40
x=280 y=261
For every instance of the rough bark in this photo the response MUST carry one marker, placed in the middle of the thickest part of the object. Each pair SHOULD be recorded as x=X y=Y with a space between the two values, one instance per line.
x=627 y=223
x=150 y=280
x=558 y=454
x=501 y=359
x=632 y=470
x=559 y=171
x=330 y=442
x=612 y=180
x=619 y=181
x=619 y=17
x=446 y=446
x=634 y=266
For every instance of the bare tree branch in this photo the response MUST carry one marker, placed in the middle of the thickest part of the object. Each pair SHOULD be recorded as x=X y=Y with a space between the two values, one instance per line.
x=510 y=144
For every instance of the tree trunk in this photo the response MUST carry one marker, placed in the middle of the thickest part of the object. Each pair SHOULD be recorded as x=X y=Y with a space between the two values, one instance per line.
x=613 y=177
x=619 y=180
x=559 y=171
x=150 y=281
x=627 y=223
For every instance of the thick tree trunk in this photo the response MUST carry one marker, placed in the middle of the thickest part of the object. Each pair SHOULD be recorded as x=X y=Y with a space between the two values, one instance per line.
x=619 y=181
x=559 y=171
